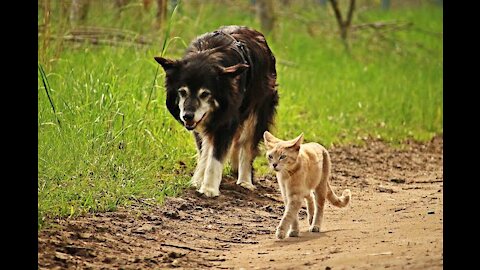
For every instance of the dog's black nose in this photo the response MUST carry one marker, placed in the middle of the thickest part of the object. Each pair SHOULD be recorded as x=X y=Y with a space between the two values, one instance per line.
x=188 y=116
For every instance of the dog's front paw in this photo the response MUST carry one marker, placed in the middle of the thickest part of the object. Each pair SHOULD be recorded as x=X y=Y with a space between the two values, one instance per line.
x=314 y=228
x=293 y=234
x=195 y=183
x=209 y=192
x=280 y=234
x=247 y=185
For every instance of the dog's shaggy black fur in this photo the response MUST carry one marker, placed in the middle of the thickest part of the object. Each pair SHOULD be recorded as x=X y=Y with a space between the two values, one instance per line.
x=237 y=66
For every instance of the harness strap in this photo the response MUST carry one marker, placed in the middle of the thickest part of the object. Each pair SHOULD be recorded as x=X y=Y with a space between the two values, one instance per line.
x=242 y=51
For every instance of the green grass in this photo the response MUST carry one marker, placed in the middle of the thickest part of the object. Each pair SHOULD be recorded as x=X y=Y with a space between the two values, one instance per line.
x=117 y=143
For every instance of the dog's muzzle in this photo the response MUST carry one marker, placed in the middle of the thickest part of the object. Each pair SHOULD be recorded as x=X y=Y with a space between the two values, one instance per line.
x=189 y=120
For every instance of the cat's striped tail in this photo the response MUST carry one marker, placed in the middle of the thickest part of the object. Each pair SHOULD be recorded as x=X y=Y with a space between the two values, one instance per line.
x=341 y=201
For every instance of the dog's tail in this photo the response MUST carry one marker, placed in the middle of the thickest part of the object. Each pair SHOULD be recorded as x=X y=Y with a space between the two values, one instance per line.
x=341 y=201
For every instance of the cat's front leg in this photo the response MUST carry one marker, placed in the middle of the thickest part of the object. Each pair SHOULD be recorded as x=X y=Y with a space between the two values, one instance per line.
x=294 y=230
x=291 y=213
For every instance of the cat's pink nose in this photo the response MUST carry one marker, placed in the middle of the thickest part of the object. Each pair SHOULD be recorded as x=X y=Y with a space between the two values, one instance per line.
x=274 y=165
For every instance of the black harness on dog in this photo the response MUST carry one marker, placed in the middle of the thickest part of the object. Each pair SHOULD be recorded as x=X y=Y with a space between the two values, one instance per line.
x=240 y=48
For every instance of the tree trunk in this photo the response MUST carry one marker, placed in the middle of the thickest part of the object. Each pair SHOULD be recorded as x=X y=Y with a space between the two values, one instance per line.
x=161 y=12
x=344 y=26
x=266 y=15
x=78 y=11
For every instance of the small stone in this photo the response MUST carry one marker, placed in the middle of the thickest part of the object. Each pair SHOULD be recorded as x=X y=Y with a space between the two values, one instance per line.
x=398 y=180
x=107 y=260
x=144 y=229
x=176 y=263
x=84 y=235
x=175 y=255
x=61 y=256
x=172 y=214
x=384 y=189
x=185 y=206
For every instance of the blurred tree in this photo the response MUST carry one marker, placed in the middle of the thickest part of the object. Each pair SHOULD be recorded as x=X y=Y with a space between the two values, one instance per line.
x=386 y=4
x=344 y=25
x=46 y=23
x=121 y=3
x=78 y=11
x=146 y=4
x=265 y=13
x=161 y=12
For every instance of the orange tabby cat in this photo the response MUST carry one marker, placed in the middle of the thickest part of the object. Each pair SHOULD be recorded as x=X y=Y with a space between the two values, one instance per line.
x=303 y=172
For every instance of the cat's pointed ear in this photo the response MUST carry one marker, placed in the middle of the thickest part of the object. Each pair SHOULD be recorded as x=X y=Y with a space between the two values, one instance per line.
x=295 y=143
x=269 y=140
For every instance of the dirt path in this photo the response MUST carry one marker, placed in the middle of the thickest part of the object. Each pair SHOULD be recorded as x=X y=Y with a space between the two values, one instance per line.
x=395 y=220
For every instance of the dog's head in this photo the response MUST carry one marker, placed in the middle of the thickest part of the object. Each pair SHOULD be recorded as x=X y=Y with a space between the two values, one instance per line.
x=198 y=87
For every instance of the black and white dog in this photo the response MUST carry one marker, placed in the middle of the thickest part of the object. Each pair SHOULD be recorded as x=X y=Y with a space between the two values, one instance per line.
x=224 y=90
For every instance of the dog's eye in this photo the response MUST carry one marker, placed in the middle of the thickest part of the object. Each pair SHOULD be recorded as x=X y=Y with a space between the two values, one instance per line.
x=204 y=95
x=282 y=156
x=182 y=92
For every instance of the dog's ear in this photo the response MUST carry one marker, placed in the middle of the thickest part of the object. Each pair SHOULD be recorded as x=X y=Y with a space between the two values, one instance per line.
x=234 y=70
x=167 y=64
x=269 y=140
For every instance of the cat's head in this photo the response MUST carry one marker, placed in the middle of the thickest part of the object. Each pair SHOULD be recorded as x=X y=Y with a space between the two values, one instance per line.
x=281 y=154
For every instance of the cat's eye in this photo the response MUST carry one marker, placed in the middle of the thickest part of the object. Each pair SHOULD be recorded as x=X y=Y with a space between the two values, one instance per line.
x=270 y=157
x=282 y=157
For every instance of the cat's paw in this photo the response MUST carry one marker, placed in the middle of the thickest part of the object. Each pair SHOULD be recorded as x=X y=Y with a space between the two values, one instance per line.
x=310 y=220
x=293 y=234
x=247 y=185
x=314 y=228
x=280 y=234
x=209 y=192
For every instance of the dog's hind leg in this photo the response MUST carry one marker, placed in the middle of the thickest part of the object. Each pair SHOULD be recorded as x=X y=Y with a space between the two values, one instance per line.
x=235 y=157
x=246 y=153
x=245 y=167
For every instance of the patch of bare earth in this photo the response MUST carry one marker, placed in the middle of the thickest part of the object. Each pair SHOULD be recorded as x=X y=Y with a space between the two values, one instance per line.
x=394 y=220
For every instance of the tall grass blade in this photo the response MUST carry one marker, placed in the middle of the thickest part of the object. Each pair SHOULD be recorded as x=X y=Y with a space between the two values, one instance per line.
x=167 y=31
x=164 y=48
x=46 y=85
x=151 y=90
